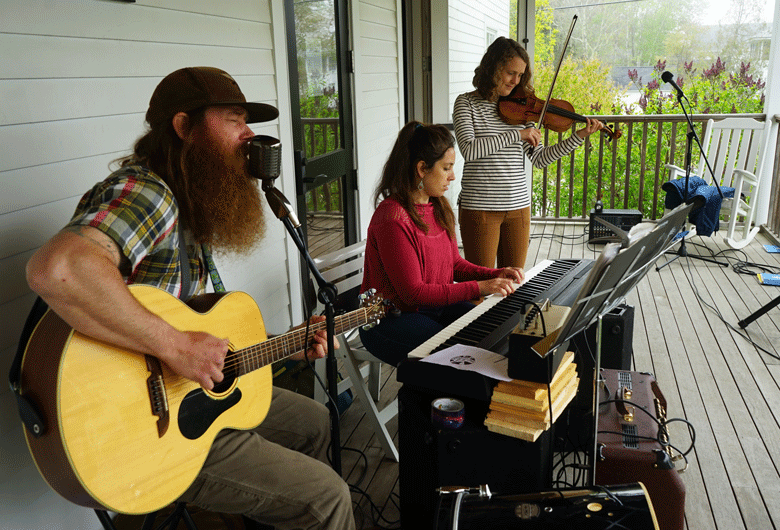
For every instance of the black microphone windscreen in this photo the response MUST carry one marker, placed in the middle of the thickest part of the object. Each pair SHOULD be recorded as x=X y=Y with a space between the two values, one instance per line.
x=265 y=157
x=667 y=76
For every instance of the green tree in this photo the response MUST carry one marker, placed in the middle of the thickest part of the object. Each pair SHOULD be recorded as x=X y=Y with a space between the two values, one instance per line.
x=546 y=33
x=744 y=26
x=713 y=90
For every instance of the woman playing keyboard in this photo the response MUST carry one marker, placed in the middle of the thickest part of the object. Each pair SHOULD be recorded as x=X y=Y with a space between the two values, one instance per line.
x=412 y=256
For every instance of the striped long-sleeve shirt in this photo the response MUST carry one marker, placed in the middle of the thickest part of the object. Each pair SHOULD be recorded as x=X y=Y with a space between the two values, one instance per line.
x=494 y=173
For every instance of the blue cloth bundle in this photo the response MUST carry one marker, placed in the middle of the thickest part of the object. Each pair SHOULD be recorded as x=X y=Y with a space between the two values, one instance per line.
x=705 y=218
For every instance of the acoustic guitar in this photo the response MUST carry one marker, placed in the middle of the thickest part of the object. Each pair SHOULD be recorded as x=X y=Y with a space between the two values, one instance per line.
x=123 y=432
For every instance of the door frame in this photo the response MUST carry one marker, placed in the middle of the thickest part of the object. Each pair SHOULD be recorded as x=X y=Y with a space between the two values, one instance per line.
x=344 y=157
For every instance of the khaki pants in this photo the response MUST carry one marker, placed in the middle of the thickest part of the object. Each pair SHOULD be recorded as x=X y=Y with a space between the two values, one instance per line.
x=495 y=239
x=277 y=473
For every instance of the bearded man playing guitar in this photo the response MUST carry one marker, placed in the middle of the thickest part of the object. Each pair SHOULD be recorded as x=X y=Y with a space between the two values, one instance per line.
x=186 y=186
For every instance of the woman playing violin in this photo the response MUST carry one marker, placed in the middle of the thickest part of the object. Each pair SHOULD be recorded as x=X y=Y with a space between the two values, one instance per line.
x=495 y=199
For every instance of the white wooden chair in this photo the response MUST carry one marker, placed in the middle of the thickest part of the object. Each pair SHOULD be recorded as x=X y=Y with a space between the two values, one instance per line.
x=344 y=269
x=735 y=148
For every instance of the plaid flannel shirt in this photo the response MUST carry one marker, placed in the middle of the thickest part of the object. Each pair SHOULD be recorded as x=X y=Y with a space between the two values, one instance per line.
x=137 y=210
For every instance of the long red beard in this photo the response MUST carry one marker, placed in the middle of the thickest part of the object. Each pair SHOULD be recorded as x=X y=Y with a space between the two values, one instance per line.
x=226 y=202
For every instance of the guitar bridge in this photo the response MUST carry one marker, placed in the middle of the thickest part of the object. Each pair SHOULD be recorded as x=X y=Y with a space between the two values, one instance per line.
x=158 y=399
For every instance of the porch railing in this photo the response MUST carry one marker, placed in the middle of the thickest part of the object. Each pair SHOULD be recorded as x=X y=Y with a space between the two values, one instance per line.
x=322 y=135
x=626 y=173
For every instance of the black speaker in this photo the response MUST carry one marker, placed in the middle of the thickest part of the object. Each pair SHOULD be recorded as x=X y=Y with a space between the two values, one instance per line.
x=623 y=219
x=430 y=457
x=617 y=336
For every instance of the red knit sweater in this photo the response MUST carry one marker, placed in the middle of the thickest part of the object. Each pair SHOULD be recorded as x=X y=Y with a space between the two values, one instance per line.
x=414 y=269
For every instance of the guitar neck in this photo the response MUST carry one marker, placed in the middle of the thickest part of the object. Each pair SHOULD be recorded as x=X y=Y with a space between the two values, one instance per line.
x=283 y=346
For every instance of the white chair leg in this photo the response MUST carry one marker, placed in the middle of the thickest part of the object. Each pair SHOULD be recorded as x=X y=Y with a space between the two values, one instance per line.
x=320 y=366
x=375 y=380
x=376 y=418
x=737 y=244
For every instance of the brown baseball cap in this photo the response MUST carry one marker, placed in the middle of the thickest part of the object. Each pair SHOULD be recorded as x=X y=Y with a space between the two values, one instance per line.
x=201 y=86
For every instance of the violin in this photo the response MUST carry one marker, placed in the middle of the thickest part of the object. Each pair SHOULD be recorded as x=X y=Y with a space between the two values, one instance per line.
x=517 y=108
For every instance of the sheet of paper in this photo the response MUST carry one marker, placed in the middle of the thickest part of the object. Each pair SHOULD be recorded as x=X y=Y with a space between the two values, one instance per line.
x=473 y=359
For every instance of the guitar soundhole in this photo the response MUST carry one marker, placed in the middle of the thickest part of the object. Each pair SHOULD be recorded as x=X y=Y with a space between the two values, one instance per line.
x=198 y=411
x=225 y=384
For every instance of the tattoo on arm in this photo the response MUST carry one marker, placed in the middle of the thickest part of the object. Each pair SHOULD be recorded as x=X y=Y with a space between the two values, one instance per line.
x=102 y=241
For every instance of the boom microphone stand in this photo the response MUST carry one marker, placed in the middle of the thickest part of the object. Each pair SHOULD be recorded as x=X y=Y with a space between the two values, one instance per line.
x=264 y=163
x=682 y=251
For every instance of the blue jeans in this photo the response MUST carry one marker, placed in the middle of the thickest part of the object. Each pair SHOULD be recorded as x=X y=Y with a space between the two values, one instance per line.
x=395 y=336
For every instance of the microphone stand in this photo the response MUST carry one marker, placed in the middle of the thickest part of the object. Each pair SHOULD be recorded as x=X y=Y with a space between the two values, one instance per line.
x=327 y=295
x=682 y=251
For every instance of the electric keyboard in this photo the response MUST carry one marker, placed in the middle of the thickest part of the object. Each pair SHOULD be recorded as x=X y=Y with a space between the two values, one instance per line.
x=489 y=324
x=493 y=319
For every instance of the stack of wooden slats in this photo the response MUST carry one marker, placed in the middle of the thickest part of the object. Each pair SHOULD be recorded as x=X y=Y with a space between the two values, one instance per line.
x=522 y=408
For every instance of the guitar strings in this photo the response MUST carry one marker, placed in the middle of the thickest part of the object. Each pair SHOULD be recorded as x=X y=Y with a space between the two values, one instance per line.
x=268 y=351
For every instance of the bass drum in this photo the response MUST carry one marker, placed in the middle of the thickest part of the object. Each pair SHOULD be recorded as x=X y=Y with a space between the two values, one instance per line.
x=597 y=508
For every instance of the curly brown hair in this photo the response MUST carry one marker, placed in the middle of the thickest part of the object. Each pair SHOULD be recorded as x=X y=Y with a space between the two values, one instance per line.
x=498 y=54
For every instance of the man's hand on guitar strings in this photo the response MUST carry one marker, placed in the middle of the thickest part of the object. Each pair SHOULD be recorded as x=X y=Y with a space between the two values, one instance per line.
x=319 y=347
x=198 y=356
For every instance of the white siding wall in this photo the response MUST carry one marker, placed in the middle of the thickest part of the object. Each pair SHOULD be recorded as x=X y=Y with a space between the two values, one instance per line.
x=468 y=24
x=75 y=81
x=379 y=101
x=458 y=41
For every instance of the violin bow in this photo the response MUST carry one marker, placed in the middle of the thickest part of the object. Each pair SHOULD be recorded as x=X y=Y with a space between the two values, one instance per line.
x=557 y=69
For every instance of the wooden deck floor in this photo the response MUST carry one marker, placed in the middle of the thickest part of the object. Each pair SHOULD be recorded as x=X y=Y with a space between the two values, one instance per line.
x=712 y=373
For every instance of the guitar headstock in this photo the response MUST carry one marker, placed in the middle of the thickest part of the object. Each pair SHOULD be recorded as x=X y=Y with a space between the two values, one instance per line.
x=374 y=305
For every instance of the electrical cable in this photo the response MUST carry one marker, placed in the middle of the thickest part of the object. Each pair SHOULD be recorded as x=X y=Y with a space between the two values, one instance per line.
x=742 y=333
x=353 y=487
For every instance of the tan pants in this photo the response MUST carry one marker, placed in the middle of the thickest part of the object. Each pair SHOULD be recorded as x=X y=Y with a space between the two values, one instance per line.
x=495 y=239
x=277 y=473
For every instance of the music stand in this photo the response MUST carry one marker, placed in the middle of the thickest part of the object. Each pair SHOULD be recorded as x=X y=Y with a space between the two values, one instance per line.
x=616 y=271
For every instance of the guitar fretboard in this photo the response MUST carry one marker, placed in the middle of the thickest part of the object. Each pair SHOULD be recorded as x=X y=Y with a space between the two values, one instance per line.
x=257 y=356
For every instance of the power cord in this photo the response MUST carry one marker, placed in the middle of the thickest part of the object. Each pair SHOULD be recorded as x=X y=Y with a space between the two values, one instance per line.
x=568 y=240
x=376 y=515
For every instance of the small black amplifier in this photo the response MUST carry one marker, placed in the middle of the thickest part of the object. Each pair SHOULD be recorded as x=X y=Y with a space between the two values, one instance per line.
x=623 y=219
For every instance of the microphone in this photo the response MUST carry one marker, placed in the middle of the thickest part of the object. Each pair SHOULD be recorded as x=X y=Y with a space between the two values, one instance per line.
x=667 y=77
x=265 y=161
x=265 y=158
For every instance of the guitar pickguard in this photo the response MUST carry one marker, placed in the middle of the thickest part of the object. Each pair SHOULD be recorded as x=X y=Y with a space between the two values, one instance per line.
x=198 y=411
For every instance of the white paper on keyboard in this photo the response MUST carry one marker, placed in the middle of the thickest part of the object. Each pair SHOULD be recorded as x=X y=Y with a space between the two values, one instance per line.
x=472 y=359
